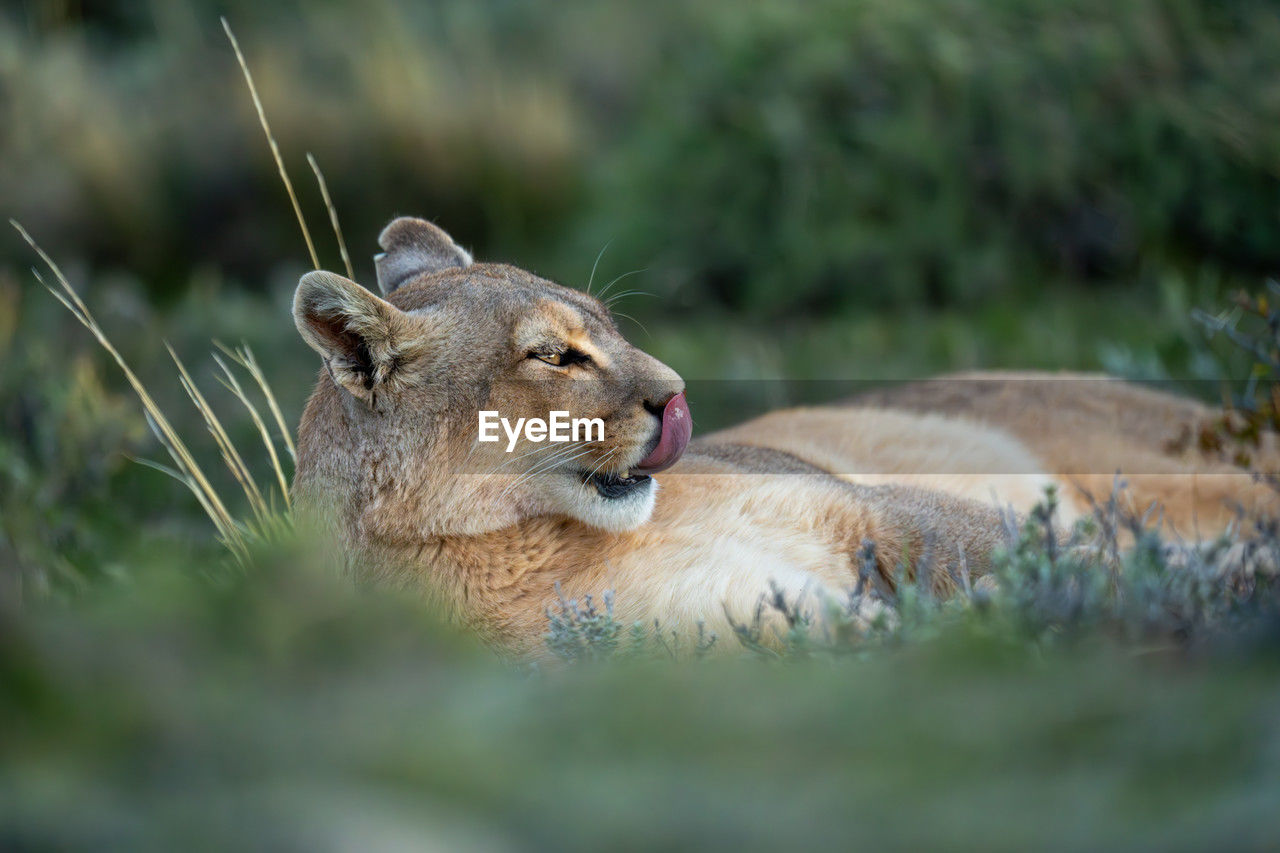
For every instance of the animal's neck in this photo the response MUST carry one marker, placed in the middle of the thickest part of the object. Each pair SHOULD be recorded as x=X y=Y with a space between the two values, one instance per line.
x=500 y=581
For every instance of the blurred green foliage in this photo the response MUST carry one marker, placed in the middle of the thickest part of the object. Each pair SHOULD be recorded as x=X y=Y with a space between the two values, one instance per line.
x=137 y=142
x=288 y=711
x=761 y=157
x=815 y=157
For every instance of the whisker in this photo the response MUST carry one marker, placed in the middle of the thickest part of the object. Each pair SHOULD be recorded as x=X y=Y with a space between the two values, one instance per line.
x=545 y=448
x=529 y=475
x=634 y=320
x=537 y=449
x=555 y=461
x=597 y=263
x=618 y=279
x=624 y=294
x=533 y=468
x=599 y=465
x=552 y=451
x=555 y=454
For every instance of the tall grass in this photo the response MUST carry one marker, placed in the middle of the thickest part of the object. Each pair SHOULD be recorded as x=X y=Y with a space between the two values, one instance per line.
x=275 y=147
x=269 y=521
x=270 y=516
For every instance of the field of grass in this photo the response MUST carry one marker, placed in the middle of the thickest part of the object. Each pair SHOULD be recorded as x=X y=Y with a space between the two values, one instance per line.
x=159 y=692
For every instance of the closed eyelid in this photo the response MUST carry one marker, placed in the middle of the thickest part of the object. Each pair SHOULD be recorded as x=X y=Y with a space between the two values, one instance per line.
x=564 y=356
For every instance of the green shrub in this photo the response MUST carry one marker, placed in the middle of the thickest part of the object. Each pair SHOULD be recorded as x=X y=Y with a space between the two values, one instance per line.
x=803 y=157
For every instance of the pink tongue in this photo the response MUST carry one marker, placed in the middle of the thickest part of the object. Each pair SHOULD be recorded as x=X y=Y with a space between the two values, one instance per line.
x=677 y=427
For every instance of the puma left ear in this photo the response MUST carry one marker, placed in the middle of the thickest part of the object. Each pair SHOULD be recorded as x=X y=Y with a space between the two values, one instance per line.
x=414 y=247
x=368 y=344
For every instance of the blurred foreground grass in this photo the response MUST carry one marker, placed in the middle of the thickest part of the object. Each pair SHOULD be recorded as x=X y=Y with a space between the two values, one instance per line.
x=287 y=710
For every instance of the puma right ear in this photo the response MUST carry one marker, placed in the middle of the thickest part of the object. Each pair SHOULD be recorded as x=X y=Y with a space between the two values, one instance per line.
x=368 y=344
x=414 y=247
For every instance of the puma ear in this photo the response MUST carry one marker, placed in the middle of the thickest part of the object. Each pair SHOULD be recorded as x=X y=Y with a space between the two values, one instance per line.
x=368 y=344
x=413 y=247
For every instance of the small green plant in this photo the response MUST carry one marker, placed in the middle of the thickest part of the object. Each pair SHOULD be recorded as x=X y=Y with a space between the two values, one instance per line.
x=1252 y=326
x=579 y=632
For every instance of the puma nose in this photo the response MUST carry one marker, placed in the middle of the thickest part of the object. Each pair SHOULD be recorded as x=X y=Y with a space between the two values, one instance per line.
x=655 y=404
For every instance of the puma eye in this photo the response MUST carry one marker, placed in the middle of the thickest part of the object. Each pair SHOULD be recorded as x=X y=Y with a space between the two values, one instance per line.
x=562 y=359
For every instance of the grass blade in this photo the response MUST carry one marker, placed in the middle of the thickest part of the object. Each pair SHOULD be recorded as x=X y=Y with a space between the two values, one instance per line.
x=271 y=140
x=333 y=215
x=233 y=385
x=244 y=357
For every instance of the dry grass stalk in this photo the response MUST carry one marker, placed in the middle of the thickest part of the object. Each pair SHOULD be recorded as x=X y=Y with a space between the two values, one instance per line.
x=333 y=215
x=187 y=470
x=271 y=140
x=230 y=456
x=243 y=356
x=229 y=381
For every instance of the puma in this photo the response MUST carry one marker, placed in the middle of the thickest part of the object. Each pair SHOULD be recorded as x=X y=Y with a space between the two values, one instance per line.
x=687 y=532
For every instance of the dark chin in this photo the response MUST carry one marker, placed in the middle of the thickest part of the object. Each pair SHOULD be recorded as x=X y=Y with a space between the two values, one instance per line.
x=611 y=487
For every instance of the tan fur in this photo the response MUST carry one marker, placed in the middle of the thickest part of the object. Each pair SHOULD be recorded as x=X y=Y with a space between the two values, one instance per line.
x=880 y=446
x=387 y=449
x=1090 y=430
